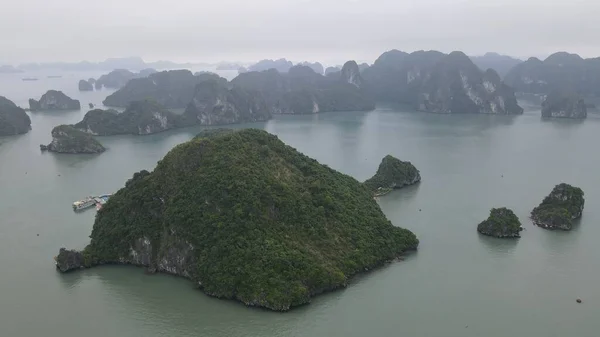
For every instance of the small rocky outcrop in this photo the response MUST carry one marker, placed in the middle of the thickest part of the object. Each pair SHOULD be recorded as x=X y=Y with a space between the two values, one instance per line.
x=54 y=100
x=67 y=139
x=564 y=104
x=393 y=174
x=85 y=86
x=502 y=223
x=140 y=118
x=68 y=260
x=13 y=119
x=351 y=74
x=558 y=210
x=215 y=104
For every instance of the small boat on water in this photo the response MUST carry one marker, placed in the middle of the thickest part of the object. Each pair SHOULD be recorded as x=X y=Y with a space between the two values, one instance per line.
x=29 y=79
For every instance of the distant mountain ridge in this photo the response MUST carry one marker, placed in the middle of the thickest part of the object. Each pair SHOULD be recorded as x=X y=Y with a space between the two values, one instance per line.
x=502 y=64
x=129 y=63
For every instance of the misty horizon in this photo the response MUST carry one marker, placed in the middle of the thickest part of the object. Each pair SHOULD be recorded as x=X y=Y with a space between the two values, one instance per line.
x=327 y=31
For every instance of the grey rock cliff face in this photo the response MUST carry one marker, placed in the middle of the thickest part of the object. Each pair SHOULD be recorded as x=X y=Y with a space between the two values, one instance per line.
x=13 y=119
x=214 y=104
x=54 y=100
x=456 y=85
x=351 y=74
x=67 y=139
x=172 y=89
x=562 y=104
x=85 y=86
x=68 y=260
x=140 y=118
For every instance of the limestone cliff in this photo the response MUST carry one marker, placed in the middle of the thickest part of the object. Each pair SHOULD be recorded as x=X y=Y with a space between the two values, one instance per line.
x=302 y=91
x=351 y=74
x=215 y=104
x=456 y=85
x=67 y=139
x=13 y=119
x=173 y=89
x=564 y=104
x=140 y=118
x=435 y=82
x=54 y=100
x=558 y=71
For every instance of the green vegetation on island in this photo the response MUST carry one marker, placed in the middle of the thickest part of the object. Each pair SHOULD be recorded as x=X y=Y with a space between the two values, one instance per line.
x=246 y=217
x=392 y=174
x=67 y=139
x=207 y=133
x=13 y=119
x=558 y=210
x=502 y=223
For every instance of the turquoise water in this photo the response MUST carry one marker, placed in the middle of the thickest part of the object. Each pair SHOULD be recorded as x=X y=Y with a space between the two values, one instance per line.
x=457 y=284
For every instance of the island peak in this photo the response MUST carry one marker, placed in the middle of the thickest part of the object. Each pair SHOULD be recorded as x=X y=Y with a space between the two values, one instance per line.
x=245 y=217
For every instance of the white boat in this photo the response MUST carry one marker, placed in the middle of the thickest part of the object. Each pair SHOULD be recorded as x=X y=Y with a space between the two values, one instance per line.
x=83 y=204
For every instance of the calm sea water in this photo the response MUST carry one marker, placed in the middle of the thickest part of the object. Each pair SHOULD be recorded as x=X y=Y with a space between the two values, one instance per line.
x=457 y=284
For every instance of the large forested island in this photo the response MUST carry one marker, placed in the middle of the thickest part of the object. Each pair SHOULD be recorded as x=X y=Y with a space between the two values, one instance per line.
x=558 y=210
x=245 y=217
x=13 y=119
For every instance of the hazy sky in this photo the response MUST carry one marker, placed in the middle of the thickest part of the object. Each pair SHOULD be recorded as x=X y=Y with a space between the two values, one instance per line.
x=329 y=31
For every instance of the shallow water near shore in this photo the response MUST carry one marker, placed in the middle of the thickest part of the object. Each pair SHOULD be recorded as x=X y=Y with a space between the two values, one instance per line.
x=458 y=283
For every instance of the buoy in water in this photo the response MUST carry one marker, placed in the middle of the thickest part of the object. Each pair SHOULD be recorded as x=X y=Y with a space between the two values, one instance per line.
x=579 y=300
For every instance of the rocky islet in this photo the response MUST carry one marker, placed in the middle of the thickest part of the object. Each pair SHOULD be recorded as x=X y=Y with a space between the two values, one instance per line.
x=54 y=100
